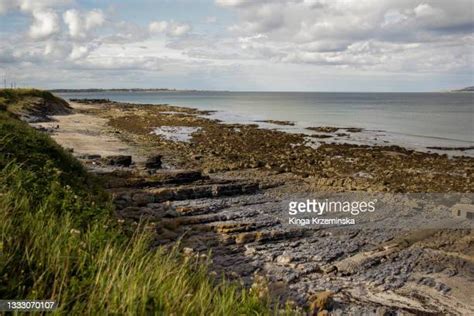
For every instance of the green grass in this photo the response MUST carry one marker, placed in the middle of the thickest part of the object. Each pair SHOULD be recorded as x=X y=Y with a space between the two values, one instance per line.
x=59 y=240
x=10 y=96
x=23 y=100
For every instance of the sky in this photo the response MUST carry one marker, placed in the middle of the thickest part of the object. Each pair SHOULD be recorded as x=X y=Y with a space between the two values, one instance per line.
x=242 y=45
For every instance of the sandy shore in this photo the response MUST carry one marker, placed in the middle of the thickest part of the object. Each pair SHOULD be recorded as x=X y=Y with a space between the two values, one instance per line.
x=85 y=133
x=233 y=206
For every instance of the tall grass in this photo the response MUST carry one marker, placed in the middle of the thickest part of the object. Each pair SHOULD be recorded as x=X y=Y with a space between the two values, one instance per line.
x=59 y=241
x=95 y=269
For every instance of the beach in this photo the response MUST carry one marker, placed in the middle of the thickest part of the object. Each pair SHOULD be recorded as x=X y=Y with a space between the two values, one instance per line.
x=237 y=157
x=219 y=187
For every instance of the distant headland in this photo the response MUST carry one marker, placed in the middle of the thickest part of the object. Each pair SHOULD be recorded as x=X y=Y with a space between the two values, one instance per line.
x=466 y=89
x=92 y=90
x=119 y=90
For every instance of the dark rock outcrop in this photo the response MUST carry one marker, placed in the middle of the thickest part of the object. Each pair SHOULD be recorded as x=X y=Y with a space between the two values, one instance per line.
x=153 y=162
x=118 y=160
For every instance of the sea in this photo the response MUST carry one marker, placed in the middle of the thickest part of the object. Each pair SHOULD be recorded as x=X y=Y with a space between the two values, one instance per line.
x=418 y=121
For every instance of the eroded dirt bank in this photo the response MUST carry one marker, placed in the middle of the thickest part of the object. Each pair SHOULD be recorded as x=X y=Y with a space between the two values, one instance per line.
x=218 y=187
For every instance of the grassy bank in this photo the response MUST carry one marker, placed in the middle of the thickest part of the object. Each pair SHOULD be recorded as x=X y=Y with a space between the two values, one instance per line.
x=59 y=240
x=32 y=104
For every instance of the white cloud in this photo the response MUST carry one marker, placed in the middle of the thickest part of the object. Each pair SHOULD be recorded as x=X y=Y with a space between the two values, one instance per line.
x=80 y=24
x=48 y=40
x=57 y=50
x=425 y=10
x=30 y=5
x=332 y=36
x=126 y=32
x=233 y=3
x=45 y=24
x=158 y=26
x=260 y=17
x=93 y=19
x=169 y=28
x=73 y=21
x=393 y=17
x=356 y=34
x=78 y=52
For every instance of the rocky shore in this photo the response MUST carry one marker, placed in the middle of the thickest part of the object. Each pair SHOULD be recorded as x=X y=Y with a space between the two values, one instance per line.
x=217 y=189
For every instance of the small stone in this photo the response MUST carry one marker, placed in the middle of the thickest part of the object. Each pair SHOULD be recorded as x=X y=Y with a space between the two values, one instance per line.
x=443 y=288
x=284 y=259
x=249 y=250
x=382 y=311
